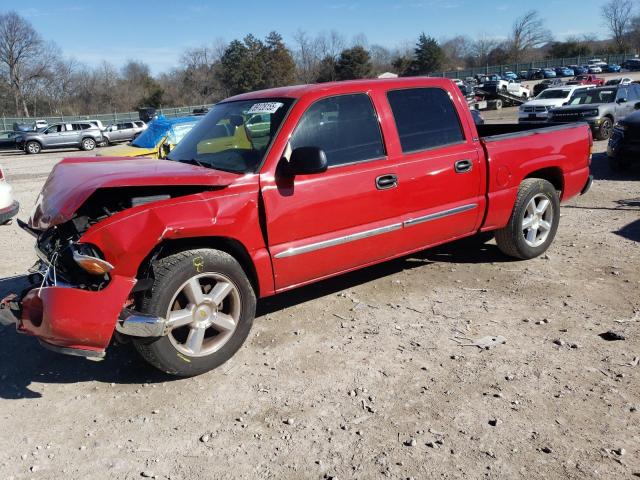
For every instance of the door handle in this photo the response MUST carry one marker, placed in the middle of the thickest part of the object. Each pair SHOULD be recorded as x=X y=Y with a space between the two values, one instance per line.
x=384 y=182
x=463 y=166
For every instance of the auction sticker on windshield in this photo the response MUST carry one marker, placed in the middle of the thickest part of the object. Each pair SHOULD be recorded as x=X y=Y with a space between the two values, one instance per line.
x=267 y=107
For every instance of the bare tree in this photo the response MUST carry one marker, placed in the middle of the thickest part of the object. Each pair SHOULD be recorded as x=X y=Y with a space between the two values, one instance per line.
x=481 y=48
x=617 y=16
x=23 y=57
x=528 y=32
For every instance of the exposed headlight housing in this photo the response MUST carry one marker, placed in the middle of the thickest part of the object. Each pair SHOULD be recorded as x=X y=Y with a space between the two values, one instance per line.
x=87 y=259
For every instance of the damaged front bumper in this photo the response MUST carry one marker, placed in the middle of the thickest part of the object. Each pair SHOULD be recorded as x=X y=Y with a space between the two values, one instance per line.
x=68 y=319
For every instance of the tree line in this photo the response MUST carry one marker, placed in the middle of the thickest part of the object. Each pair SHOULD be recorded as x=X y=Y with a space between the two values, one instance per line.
x=37 y=80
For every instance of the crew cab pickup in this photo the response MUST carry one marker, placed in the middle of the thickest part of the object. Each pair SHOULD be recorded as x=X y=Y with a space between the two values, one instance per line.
x=586 y=80
x=172 y=254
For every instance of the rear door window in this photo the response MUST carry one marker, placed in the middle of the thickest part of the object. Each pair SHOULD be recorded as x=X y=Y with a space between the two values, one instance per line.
x=425 y=118
x=346 y=127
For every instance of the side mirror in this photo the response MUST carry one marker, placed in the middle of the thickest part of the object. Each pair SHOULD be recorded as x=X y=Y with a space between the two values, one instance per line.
x=621 y=100
x=637 y=106
x=565 y=103
x=306 y=161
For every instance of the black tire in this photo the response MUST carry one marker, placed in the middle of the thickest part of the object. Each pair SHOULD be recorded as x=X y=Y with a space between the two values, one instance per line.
x=32 y=147
x=511 y=239
x=87 y=144
x=171 y=273
x=105 y=142
x=498 y=104
x=605 y=129
x=618 y=164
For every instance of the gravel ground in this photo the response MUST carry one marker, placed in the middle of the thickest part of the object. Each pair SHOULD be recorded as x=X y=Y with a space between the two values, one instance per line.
x=365 y=375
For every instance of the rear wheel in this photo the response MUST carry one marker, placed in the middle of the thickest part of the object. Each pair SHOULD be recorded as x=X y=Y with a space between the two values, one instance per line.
x=534 y=220
x=498 y=104
x=32 y=147
x=210 y=305
x=88 y=144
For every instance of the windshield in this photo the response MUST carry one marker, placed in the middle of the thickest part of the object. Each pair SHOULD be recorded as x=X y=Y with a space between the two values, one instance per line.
x=161 y=128
x=234 y=136
x=593 y=97
x=554 y=94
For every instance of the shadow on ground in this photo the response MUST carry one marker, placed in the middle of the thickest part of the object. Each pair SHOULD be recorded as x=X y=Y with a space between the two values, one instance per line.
x=601 y=170
x=23 y=360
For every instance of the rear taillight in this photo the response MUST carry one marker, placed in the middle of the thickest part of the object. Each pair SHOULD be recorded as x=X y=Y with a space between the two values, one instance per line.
x=1 y=174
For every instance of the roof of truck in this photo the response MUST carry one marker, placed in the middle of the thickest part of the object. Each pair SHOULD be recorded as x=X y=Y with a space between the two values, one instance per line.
x=297 y=91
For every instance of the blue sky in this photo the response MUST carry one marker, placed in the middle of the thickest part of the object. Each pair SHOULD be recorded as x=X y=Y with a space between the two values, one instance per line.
x=156 y=31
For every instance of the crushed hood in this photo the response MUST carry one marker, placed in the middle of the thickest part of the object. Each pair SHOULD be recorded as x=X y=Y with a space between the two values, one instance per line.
x=73 y=180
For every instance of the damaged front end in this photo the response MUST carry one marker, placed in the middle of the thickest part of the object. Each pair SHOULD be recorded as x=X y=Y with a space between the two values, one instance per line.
x=76 y=298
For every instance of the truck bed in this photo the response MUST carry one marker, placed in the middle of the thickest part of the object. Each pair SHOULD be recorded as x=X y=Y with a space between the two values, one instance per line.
x=514 y=152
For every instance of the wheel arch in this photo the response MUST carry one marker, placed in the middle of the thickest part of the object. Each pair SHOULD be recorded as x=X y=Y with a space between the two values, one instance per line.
x=553 y=175
x=225 y=244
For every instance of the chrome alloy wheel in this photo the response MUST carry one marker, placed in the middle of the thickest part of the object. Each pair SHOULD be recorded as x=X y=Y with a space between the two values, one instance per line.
x=203 y=314
x=537 y=220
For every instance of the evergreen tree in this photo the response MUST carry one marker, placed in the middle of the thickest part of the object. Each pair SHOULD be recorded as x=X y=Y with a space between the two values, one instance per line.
x=427 y=58
x=353 y=63
x=279 y=67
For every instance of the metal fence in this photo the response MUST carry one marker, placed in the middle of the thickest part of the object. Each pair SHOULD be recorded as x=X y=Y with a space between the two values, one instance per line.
x=518 y=67
x=105 y=118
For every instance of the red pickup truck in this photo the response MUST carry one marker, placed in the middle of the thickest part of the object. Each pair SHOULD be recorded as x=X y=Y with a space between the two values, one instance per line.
x=586 y=80
x=272 y=190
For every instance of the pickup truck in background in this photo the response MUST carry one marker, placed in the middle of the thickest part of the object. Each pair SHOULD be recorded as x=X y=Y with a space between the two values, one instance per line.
x=586 y=79
x=172 y=254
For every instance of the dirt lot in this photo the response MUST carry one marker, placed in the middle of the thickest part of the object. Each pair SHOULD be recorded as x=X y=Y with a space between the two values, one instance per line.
x=359 y=377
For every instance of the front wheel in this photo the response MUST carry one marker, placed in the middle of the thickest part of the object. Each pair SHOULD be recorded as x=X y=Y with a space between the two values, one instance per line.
x=209 y=304
x=605 y=129
x=534 y=220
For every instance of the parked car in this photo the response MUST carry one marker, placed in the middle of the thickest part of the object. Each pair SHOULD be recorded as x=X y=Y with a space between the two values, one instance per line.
x=613 y=68
x=173 y=254
x=40 y=124
x=7 y=140
x=536 y=110
x=82 y=135
x=535 y=74
x=586 y=80
x=543 y=85
x=8 y=206
x=549 y=73
x=619 y=81
x=632 y=64
x=600 y=107
x=161 y=135
x=594 y=69
x=597 y=62
x=509 y=75
x=578 y=70
x=97 y=123
x=624 y=145
x=564 y=72
x=120 y=132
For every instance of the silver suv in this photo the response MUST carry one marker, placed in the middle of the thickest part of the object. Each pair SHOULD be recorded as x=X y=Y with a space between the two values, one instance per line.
x=122 y=132
x=82 y=135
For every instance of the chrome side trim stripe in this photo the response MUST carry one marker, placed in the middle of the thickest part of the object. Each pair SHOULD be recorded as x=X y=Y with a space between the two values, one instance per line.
x=312 y=247
x=338 y=240
x=437 y=215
